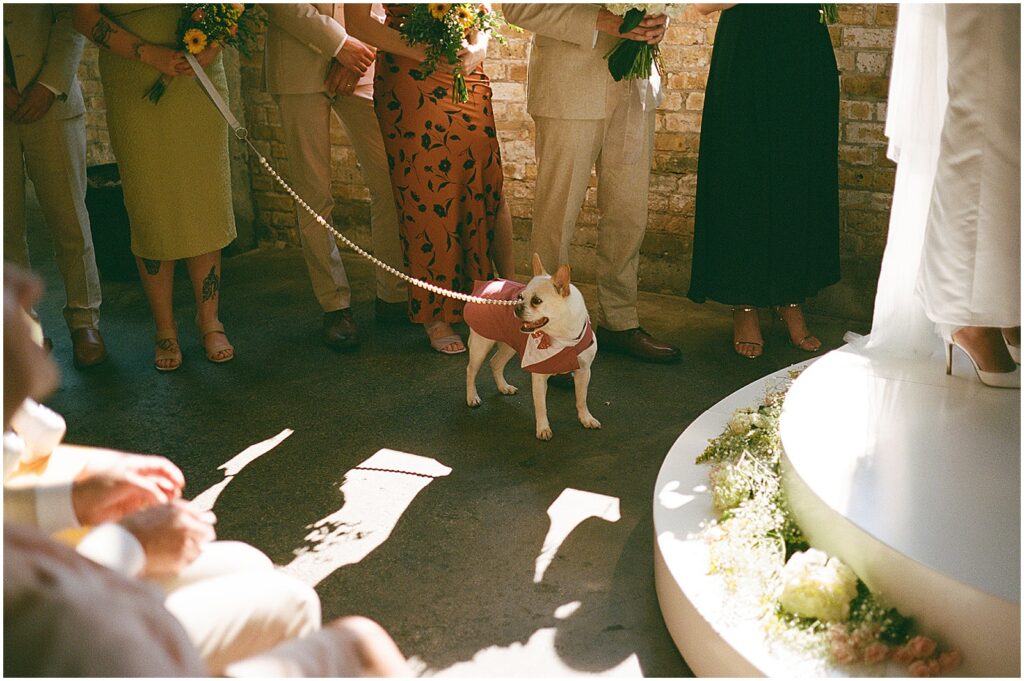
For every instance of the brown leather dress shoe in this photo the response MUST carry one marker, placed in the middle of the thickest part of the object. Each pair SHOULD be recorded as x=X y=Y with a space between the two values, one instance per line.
x=340 y=332
x=87 y=348
x=393 y=313
x=637 y=343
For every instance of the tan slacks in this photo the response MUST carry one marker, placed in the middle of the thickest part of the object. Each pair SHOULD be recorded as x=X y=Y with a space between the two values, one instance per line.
x=233 y=604
x=53 y=154
x=567 y=150
x=305 y=121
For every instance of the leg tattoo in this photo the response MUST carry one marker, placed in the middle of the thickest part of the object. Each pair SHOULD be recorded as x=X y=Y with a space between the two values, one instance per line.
x=152 y=266
x=211 y=284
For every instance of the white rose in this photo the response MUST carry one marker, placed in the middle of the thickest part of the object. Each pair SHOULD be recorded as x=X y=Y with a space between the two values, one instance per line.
x=814 y=585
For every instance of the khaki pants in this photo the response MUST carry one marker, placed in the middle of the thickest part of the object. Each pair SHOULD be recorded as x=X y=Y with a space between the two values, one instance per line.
x=305 y=121
x=53 y=154
x=567 y=150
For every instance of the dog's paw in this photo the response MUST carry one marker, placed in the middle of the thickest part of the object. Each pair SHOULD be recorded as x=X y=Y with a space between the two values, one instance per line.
x=589 y=421
x=473 y=400
x=508 y=389
x=544 y=433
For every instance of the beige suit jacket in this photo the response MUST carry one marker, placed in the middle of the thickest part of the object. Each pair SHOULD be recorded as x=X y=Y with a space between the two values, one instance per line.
x=568 y=75
x=301 y=40
x=46 y=48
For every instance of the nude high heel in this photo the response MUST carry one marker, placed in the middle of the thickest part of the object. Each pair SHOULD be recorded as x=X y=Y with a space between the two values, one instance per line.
x=994 y=379
x=1014 y=350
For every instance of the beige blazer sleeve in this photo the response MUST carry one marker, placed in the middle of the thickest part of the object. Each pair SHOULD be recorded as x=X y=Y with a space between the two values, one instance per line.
x=301 y=39
x=63 y=52
x=572 y=23
x=567 y=75
x=45 y=47
x=305 y=22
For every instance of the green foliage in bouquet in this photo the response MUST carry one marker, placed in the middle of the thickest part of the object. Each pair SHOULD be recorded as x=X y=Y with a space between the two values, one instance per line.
x=441 y=28
x=829 y=13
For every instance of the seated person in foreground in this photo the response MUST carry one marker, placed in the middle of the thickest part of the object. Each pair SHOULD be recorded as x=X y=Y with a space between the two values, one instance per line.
x=204 y=606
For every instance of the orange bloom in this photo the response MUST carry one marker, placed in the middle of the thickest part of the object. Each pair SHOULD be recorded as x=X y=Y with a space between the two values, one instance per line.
x=198 y=15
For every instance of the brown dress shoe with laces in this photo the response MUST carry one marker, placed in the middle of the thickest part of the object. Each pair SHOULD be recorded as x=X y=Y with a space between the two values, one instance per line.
x=340 y=332
x=87 y=348
x=637 y=343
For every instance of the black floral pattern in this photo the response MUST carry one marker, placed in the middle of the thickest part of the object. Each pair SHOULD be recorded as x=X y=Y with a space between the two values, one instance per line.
x=446 y=175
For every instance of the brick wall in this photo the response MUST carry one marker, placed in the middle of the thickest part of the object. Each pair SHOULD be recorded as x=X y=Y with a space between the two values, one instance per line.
x=863 y=40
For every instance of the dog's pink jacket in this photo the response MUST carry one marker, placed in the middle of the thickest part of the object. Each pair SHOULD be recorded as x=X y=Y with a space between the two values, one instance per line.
x=499 y=323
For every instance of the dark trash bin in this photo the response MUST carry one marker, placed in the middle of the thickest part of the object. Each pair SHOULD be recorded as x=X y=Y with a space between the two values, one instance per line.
x=111 y=234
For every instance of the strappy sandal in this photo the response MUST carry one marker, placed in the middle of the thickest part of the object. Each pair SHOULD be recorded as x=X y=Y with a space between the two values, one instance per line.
x=737 y=343
x=213 y=354
x=440 y=343
x=167 y=350
x=802 y=344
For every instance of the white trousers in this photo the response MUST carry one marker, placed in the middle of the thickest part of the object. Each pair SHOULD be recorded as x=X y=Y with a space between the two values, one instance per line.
x=305 y=122
x=53 y=154
x=970 y=263
x=233 y=604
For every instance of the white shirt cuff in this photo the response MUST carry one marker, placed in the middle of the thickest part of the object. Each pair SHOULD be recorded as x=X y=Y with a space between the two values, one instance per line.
x=54 y=508
x=113 y=546
x=340 y=45
x=56 y=93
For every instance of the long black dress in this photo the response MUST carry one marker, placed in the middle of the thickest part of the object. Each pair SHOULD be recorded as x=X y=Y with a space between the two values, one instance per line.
x=767 y=214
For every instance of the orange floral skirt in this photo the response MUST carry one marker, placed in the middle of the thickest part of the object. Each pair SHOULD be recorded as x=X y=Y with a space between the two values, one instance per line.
x=446 y=175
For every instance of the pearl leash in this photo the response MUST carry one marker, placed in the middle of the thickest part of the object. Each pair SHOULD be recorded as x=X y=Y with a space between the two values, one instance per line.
x=242 y=134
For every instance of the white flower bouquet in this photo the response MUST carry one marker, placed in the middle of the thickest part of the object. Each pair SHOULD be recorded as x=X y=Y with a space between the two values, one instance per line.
x=633 y=59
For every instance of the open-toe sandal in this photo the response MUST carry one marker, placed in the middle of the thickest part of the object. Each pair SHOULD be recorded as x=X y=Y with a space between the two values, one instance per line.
x=737 y=344
x=809 y=343
x=168 y=352
x=441 y=343
x=219 y=351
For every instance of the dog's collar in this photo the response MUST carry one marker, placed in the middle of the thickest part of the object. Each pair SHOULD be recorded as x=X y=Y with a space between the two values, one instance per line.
x=582 y=332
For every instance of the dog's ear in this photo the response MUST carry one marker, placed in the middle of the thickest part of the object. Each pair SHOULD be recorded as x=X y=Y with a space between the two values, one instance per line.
x=561 y=280
x=538 y=266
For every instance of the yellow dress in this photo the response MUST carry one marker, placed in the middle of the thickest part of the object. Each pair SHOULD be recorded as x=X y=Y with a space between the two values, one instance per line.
x=172 y=155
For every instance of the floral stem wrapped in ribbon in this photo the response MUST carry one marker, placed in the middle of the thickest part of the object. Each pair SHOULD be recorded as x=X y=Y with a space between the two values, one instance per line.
x=442 y=27
x=203 y=26
x=633 y=59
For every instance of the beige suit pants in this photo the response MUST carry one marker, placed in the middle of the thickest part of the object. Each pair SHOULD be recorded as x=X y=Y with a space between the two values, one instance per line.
x=233 y=604
x=305 y=121
x=53 y=154
x=567 y=150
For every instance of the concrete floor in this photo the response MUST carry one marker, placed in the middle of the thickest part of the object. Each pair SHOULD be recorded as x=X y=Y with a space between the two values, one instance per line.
x=452 y=570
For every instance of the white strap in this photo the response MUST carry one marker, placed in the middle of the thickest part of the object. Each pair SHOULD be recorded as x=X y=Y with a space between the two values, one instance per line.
x=218 y=101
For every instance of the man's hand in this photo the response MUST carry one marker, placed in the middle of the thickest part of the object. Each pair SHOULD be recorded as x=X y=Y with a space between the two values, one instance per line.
x=35 y=102
x=356 y=56
x=340 y=80
x=11 y=100
x=112 y=487
x=171 y=535
x=651 y=29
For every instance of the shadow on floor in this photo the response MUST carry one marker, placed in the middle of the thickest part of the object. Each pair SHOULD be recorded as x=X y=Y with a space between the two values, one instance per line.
x=456 y=575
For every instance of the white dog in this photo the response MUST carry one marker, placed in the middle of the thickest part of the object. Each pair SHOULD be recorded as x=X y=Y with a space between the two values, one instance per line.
x=550 y=329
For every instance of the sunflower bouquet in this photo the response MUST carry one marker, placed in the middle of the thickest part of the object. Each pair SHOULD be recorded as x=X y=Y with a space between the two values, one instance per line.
x=632 y=59
x=442 y=27
x=203 y=26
